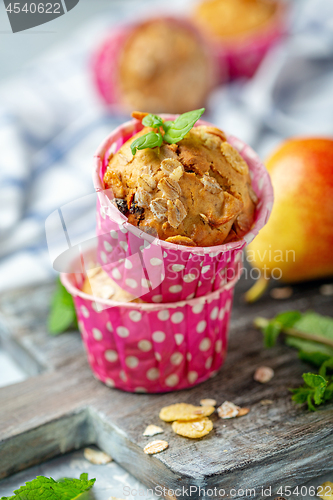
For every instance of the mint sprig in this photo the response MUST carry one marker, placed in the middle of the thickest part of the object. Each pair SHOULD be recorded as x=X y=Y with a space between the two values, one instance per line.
x=150 y=140
x=44 y=488
x=312 y=335
x=182 y=125
x=316 y=391
x=62 y=313
x=174 y=131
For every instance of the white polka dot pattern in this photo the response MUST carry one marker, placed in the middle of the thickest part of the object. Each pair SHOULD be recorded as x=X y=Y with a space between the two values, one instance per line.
x=135 y=316
x=201 y=326
x=158 y=337
x=111 y=356
x=177 y=317
x=163 y=315
x=122 y=331
x=145 y=345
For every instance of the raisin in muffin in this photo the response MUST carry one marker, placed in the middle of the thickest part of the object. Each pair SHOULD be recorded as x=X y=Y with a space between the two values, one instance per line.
x=227 y=19
x=195 y=193
x=163 y=66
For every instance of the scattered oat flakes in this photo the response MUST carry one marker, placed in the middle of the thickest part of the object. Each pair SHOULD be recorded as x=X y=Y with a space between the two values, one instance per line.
x=96 y=457
x=266 y=402
x=204 y=218
x=327 y=493
x=234 y=158
x=211 y=184
x=181 y=240
x=185 y=412
x=176 y=213
x=194 y=429
x=177 y=173
x=142 y=198
x=253 y=195
x=263 y=374
x=242 y=412
x=147 y=182
x=159 y=208
x=228 y=410
x=281 y=293
x=170 y=189
x=169 y=165
x=208 y=402
x=115 y=498
x=155 y=447
x=215 y=131
x=326 y=290
x=152 y=430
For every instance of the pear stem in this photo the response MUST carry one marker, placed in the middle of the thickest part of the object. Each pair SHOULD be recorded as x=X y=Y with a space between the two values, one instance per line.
x=260 y=323
x=257 y=290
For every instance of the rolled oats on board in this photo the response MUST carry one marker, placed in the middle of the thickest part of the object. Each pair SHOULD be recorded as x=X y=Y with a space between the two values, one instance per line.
x=152 y=430
x=194 y=429
x=155 y=447
x=183 y=411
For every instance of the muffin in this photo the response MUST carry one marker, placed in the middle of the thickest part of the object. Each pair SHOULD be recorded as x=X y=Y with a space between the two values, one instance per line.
x=158 y=65
x=195 y=193
x=226 y=19
x=240 y=31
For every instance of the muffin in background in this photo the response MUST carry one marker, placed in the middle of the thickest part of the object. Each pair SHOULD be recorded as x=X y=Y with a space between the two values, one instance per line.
x=241 y=31
x=158 y=65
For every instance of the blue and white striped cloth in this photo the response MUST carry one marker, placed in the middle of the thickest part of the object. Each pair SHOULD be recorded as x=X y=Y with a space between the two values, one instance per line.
x=51 y=122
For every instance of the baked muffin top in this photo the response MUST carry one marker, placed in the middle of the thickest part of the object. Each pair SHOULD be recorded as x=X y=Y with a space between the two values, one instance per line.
x=195 y=193
x=164 y=67
x=230 y=18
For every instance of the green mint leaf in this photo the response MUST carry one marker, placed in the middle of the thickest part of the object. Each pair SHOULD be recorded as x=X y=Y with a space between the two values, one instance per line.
x=62 y=314
x=288 y=318
x=318 y=383
x=328 y=396
x=327 y=365
x=300 y=394
x=182 y=125
x=166 y=125
x=150 y=140
x=271 y=333
x=311 y=407
x=316 y=324
x=153 y=121
x=43 y=488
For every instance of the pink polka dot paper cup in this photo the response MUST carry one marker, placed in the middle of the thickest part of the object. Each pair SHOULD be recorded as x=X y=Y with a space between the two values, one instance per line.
x=140 y=347
x=156 y=270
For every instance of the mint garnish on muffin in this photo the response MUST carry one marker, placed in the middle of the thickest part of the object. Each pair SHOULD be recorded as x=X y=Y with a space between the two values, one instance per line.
x=169 y=131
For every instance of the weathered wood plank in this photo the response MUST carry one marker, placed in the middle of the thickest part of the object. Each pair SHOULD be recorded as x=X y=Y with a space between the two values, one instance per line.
x=65 y=407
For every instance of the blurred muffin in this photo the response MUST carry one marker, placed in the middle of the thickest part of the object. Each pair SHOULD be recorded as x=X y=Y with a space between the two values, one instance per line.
x=240 y=31
x=226 y=19
x=158 y=65
x=195 y=193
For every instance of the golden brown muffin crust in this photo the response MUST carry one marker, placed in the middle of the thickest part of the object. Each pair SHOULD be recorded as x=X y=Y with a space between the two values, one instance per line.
x=229 y=18
x=164 y=67
x=196 y=192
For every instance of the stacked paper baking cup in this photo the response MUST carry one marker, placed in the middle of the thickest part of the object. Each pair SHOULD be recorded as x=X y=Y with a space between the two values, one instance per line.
x=176 y=336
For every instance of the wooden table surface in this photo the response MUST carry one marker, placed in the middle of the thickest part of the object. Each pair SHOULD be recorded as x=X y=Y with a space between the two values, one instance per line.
x=61 y=407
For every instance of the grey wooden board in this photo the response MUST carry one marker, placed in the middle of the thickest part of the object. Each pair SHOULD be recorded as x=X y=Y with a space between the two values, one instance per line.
x=62 y=407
